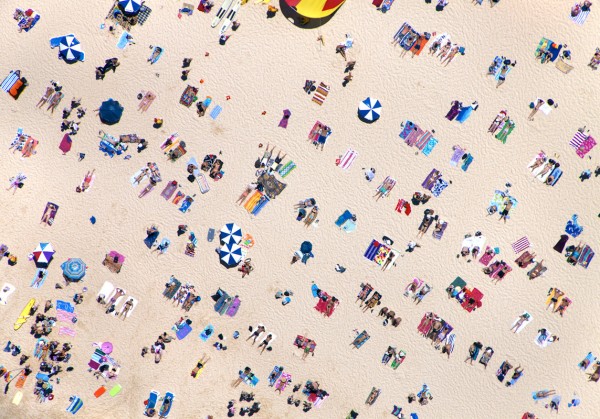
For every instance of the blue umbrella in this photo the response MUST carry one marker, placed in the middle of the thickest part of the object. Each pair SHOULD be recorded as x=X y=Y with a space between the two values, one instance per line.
x=231 y=233
x=306 y=247
x=369 y=110
x=130 y=7
x=110 y=112
x=69 y=48
x=73 y=269
x=231 y=254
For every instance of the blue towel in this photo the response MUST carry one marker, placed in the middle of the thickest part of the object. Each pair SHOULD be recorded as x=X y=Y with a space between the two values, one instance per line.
x=372 y=250
x=54 y=42
x=123 y=42
x=207 y=333
x=64 y=305
x=216 y=111
x=467 y=162
x=343 y=218
x=429 y=147
x=314 y=288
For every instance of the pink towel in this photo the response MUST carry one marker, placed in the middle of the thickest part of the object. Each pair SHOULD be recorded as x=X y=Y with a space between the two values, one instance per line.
x=64 y=316
x=66 y=331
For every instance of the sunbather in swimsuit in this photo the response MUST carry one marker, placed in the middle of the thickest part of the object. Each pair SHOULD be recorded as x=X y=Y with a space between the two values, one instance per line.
x=118 y=293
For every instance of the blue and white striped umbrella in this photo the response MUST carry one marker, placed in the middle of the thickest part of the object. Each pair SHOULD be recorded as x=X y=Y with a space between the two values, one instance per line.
x=70 y=49
x=231 y=254
x=230 y=233
x=131 y=7
x=369 y=110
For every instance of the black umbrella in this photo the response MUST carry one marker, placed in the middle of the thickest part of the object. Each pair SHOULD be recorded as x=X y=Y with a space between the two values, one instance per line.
x=110 y=112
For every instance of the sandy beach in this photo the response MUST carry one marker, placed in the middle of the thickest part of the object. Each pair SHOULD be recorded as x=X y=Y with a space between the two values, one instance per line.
x=258 y=73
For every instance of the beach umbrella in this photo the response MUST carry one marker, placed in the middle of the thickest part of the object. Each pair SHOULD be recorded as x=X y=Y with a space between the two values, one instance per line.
x=231 y=254
x=110 y=112
x=69 y=48
x=369 y=110
x=130 y=7
x=230 y=233
x=306 y=247
x=73 y=269
x=43 y=253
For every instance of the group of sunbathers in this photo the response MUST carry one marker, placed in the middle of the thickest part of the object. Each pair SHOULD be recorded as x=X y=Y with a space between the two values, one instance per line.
x=474 y=349
x=545 y=169
x=52 y=96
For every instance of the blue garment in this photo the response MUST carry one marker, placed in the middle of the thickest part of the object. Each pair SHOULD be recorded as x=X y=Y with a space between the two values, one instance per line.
x=573 y=228
x=464 y=113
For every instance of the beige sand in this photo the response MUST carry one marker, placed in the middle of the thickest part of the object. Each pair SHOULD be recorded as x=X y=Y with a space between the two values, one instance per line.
x=263 y=68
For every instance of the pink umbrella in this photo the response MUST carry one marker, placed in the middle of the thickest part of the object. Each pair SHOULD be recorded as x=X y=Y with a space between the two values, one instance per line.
x=107 y=348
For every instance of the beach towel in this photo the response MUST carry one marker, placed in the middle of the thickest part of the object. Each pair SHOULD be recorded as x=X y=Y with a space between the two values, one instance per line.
x=524 y=324
x=143 y=14
x=66 y=331
x=52 y=213
x=506 y=130
x=563 y=67
x=321 y=94
x=587 y=254
x=372 y=250
x=386 y=5
x=587 y=361
x=216 y=112
x=423 y=140
x=202 y=183
x=431 y=143
x=586 y=146
x=75 y=405
x=287 y=169
x=186 y=99
x=467 y=162
x=64 y=316
x=169 y=190
x=123 y=41
x=207 y=333
x=577 y=139
x=429 y=183
x=456 y=156
x=439 y=187
x=170 y=294
x=541 y=339
x=65 y=144
x=262 y=202
x=154 y=58
x=29 y=20
x=521 y=244
x=347 y=159
x=39 y=278
x=282 y=382
x=286 y=117
x=234 y=307
x=187 y=203
x=183 y=331
x=439 y=234
x=408 y=128
x=64 y=305
x=275 y=374
x=486 y=258
x=581 y=17
x=414 y=135
x=382 y=254
x=9 y=81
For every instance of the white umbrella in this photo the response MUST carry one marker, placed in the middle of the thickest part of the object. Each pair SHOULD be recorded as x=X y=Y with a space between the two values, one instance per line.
x=369 y=110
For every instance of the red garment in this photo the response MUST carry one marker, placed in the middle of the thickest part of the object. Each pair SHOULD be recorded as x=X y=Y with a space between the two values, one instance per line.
x=408 y=209
x=321 y=306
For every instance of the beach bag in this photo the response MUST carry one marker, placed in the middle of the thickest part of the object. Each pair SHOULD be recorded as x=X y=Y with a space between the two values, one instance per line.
x=257 y=164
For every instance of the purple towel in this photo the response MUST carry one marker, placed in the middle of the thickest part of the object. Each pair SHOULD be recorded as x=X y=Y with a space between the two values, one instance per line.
x=286 y=116
x=234 y=307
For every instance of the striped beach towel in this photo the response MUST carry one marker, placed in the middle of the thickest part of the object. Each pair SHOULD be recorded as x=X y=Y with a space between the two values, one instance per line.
x=321 y=94
x=581 y=17
x=521 y=244
x=422 y=142
x=66 y=331
x=372 y=250
x=348 y=158
x=577 y=140
x=64 y=316
x=9 y=81
x=287 y=169
x=414 y=135
x=216 y=111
